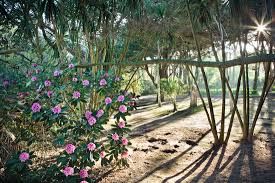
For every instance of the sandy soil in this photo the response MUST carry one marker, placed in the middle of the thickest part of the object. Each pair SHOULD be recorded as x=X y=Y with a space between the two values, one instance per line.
x=177 y=147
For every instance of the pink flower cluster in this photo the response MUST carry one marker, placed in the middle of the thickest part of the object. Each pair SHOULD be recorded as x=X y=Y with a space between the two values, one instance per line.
x=47 y=83
x=76 y=94
x=102 y=82
x=6 y=83
x=49 y=93
x=115 y=137
x=102 y=154
x=22 y=95
x=36 y=107
x=85 y=83
x=70 y=148
x=68 y=171
x=71 y=66
x=125 y=154
x=34 y=78
x=120 y=98
x=108 y=100
x=83 y=173
x=74 y=79
x=121 y=124
x=56 y=73
x=56 y=109
x=83 y=181
x=24 y=156
x=99 y=113
x=91 y=146
x=122 y=109
x=124 y=141
x=90 y=118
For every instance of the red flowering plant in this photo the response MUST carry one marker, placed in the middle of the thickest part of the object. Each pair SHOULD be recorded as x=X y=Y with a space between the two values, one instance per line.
x=75 y=106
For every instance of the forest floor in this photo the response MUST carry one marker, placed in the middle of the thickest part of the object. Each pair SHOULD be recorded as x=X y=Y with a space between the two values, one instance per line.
x=177 y=147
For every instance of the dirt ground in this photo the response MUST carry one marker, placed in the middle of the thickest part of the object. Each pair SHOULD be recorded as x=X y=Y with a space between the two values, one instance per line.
x=177 y=147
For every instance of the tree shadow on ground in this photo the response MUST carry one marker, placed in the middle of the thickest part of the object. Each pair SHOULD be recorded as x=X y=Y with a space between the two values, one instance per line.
x=147 y=127
x=170 y=162
x=244 y=165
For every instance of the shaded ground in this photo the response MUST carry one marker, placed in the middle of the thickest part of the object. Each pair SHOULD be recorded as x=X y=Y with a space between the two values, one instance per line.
x=177 y=147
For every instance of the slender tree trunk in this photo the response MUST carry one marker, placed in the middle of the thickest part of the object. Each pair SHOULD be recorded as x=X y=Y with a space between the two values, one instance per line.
x=175 y=107
x=162 y=75
x=256 y=75
x=158 y=87
x=265 y=91
x=212 y=115
x=235 y=108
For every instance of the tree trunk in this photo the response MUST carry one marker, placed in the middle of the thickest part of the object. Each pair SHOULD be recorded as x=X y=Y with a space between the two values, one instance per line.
x=175 y=107
x=212 y=115
x=256 y=75
x=163 y=74
x=193 y=96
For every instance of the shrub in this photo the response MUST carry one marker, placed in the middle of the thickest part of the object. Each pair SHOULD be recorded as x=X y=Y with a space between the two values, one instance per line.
x=73 y=106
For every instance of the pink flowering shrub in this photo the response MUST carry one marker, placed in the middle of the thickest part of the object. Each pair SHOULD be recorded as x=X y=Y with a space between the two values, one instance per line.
x=19 y=165
x=75 y=108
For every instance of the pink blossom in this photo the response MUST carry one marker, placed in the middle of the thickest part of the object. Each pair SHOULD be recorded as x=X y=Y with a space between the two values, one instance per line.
x=84 y=181
x=108 y=100
x=83 y=173
x=122 y=108
x=91 y=146
x=102 y=82
x=106 y=74
x=117 y=79
x=92 y=120
x=75 y=79
x=34 y=65
x=120 y=98
x=124 y=141
x=115 y=137
x=20 y=94
x=121 y=124
x=56 y=109
x=85 y=83
x=49 y=93
x=99 y=113
x=36 y=107
x=88 y=114
x=68 y=171
x=34 y=78
x=37 y=71
x=76 y=94
x=71 y=66
x=56 y=73
x=125 y=154
x=102 y=154
x=132 y=103
x=70 y=148
x=24 y=156
x=47 y=83
x=6 y=83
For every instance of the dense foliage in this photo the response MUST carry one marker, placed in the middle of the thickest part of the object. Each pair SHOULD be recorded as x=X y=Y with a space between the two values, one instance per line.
x=59 y=101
